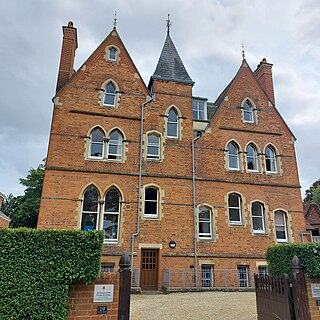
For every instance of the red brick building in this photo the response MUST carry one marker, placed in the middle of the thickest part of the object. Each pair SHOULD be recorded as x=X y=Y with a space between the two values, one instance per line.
x=187 y=186
x=4 y=220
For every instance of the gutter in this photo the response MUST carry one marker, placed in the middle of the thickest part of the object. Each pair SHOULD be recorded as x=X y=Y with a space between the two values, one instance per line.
x=136 y=233
x=194 y=213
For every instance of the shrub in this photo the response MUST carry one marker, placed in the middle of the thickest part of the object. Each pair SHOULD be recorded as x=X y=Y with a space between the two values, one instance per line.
x=38 y=266
x=280 y=258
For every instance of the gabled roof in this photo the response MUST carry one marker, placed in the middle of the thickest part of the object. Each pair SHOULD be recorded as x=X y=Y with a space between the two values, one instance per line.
x=170 y=66
x=312 y=213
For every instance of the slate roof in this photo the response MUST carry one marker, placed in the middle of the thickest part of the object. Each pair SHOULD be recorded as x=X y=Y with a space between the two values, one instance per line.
x=312 y=213
x=170 y=66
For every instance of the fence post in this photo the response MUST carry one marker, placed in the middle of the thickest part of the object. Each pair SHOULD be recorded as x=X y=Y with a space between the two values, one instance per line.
x=124 y=287
x=299 y=291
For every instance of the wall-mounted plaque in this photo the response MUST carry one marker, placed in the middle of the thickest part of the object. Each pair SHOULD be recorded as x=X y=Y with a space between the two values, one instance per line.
x=103 y=293
x=315 y=290
x=102 y=310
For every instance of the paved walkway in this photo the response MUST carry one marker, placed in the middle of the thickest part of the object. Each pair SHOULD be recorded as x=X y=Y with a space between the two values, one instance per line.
x=197 y=305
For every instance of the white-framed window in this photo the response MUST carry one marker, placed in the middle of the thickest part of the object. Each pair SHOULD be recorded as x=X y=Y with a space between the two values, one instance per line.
x=207 y=276
x=280 y=223
x=205 y=223
x=257 y=211
x=172 y=124
x=252 y=158
x=263 y=270
x=243 y=276
x=199 y=110
x=107 y=267
x=153 y=146
x=112 y=54
x=109 y=95
x=96 y=149
x=233 y=156
x=271 y=161
x=248 y=112
x=115 y=145
x=234 y=208
x=111 y=215
x=90 y=209
x=151 y=202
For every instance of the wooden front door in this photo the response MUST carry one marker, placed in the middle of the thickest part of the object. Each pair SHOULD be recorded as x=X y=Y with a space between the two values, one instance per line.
x=149 y=269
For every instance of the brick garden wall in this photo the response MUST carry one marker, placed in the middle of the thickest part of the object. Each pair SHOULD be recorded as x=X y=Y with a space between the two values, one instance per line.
x=81 y=299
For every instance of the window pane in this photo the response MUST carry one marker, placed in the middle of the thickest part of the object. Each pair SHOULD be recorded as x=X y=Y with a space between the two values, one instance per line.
x=172 y=129
x=90 y=201
x=110 y=88
x=109 y=99
x=172 y=117
x=204 y=227
x=257 y=209
x=204 y=214
x=115 y=136
x=96 y=149
x=153 y=139
x=153 y=151
x=151 y=194
x=150 y=208
x=280 y=233
x=110 y=226
x=88 y=221
x=112 y=201
x=232 y=149
x=279 y=218
x=97 y=135
x=195 y=114
x=233 y=162
x=257 y=223
x=234 y=215
x=114 y=149
x=233 y=200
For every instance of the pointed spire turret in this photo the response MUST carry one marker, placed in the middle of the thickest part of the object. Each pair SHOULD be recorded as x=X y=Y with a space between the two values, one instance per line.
x=115 y=20
x=170 y=66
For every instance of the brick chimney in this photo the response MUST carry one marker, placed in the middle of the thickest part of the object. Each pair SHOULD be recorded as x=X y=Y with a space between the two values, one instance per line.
x=263 y=74
x=69 y=46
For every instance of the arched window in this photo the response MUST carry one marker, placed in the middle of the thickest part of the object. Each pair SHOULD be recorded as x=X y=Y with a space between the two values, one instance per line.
x=153 y=146
x=234 y=207
x=280 y=223
x=233 y=156
x=248 y=112
x=115 y=145
x=112 y=54
x=205 y=223
x=271 y=161
x=252 y=158
x=90 y=209
x=111 y=216
x=110 y=95
x=96 y=144
x=257 y=211
x=172 y=124
x=151 y=199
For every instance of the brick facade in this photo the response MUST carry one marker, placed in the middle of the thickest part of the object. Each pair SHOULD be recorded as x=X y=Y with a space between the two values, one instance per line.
x=71 y=169
x=4 y=220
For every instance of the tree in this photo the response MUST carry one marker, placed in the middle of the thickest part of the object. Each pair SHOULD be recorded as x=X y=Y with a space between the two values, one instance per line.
x=313 y=193
x=23 y=210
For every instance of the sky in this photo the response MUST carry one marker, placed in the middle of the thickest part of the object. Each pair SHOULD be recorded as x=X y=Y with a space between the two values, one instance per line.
x=208 y=35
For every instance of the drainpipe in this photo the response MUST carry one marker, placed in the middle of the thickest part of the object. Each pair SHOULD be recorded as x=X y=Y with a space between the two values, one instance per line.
x=136 y=233
x=194 y=213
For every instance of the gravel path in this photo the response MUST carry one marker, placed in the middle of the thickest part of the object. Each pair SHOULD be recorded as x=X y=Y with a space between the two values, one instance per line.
x=197 y=305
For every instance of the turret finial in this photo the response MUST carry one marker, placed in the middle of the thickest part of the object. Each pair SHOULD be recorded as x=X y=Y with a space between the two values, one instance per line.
x=115 y=20
x=168 y=24
x=243 y=53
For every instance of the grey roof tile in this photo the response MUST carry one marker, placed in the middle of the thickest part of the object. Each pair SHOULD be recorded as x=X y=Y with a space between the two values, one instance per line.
x=170 y=66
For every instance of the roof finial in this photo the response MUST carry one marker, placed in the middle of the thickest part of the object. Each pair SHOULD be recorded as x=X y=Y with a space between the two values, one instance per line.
x=243 y=53
x=115 y=20
x=168 y=24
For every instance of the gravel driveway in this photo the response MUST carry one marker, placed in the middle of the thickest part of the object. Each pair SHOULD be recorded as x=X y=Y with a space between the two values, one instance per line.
x=197 y=305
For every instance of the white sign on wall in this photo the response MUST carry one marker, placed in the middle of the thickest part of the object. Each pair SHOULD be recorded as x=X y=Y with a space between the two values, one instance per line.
x=315 y=289
x=103 y=293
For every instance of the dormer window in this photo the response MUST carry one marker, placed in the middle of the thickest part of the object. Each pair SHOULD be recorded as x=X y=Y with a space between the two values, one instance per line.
x=199 y=110
x=112 y=54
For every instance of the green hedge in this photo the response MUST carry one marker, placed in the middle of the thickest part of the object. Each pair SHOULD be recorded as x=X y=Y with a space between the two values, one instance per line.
x=38 y=266
x=280 y=258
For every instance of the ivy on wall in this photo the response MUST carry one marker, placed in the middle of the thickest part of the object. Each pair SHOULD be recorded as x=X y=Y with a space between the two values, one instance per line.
x=38 y=266
x=280 y=258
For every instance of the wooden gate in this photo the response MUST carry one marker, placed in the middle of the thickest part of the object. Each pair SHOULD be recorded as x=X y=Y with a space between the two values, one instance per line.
x=149 y=269
x=274 y=298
